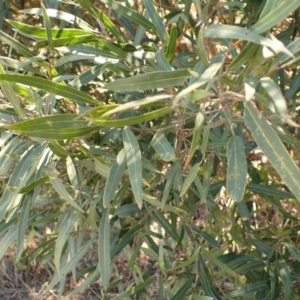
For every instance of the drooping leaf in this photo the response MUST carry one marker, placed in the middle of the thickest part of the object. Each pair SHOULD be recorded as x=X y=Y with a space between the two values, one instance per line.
x=272 y=147
x=236 y=169
x=104 y=249
x=134 y=164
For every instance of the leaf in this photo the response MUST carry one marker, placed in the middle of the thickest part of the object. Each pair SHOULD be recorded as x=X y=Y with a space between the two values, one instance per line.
x=235 y=32
x=51 y=87
x=9 y=89
x=171 y=47
x=22 y=224
x=183 y=290
x=60 y=15
x=272 y=147
x=65 y=229
x=275 y=16
x=101 y=17
x=193 y=172
x=248 y=289
x=10 y=236
x=104 y=249
x=115 y=174
x=157 y=21
x=69 y=265
x=200 y=118
x=47 y=26
x=187 y=262
x=134 y=290
x=236 y=169
x=275 y=94
x=127 y=210
x=62 y=192
x=162 y=146
x=154 y=114
x=169 y=183
x=41 y=33
x=54 y=127
x=148 y=81
x=170 y=229
x=134 y=164
x=130 y=14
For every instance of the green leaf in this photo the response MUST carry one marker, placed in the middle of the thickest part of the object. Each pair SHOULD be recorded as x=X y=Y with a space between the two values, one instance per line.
x=236 y=169
x=200 y=118
x=285 y=276
x=157 y=21
x=10 y=236
x=275 y=16
x=41 y=33
x=65 y=229
x=60 y=15
x=70 y=265
x=275 y=94
x=162 y=146
x=115 y=174
x=183 y=290
x=101 y=17
x=272 y=147
x=235 y=32
x=131 y=14
x=134 y=164
x=62 y=192
x=127 y=210
x=187 y=262
x=170 y=52
x=148 y=81
x=9 y=89
x=22 y=224
x=54 y=127
x=169 y=183
x=134 y=290
x=170 y=229
x=104 y=249
x=51 y=87
x=193 y=172
x=248 y=289
x=47 y=26
x=154 y=114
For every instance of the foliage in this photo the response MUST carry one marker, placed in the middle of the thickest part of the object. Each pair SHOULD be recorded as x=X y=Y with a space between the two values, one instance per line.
x=120 y=120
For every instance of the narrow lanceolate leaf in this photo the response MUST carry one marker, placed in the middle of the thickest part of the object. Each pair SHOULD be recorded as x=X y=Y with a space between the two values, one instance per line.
x=157 y=21
x=51 y=87
x=200 y=118
x=285 y=275
x=54 y=127
x=64 y=233
x=130 y=14
x=275 y=94
x=187 y=262
x=149 y=81
x=104 y=249
x=134 y=164
x=40 y=33
x=234 y=32
x=8 y=239
x=275 y=16
x=162 y=146
x=115 y=174
x=9 y=89
x=47 y=24
x=172 y=43
x=236 y=169
x=22 y=224
x=63 y=193
x=273 y=149
x=189 y=179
